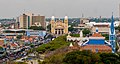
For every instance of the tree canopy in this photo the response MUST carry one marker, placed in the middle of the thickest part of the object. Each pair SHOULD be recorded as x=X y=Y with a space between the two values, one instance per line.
x=87 y=57
x=106 y=36
x=37 y=28
x=49 y=27
x=117 y=28
x=75 y=35
x=53 y=45
x=86 y=32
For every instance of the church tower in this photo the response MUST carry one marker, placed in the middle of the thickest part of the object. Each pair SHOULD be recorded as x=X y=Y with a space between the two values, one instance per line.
x=112 y=36
x=66 y=24
x=52 y=24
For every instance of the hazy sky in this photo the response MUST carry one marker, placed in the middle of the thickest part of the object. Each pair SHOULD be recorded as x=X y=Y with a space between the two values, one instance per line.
x=59 y=8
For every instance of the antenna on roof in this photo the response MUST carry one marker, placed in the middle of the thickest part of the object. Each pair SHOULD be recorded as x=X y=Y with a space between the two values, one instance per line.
x=112 y=13
x=24 y=11
x=82 y=15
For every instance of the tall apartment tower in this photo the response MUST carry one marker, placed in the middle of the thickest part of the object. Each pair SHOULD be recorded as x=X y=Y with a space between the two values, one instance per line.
x=28 y=19
x=39 y=21
x=30 y=15
x=24 y=21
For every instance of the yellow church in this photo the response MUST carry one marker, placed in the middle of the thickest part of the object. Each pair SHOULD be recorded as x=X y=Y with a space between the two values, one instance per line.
x=59 y=27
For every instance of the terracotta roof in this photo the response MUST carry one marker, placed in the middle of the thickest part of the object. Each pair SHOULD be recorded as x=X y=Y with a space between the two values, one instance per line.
x=9 y=37
x=1 y=44
x=13 y=45
x=23 y=39
x=101 y=25
x=30 y=39
x=96 y=35
x=99 y=47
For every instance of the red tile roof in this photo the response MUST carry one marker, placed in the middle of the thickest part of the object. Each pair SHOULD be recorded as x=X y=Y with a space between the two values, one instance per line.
x=13 y=45
x=103 y=48
x=97 y=46
x=1 y=44
x=96 y=35
x=107 y=25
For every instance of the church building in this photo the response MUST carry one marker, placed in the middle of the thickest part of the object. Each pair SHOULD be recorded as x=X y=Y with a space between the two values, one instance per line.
x=59 y=27
x=97 y=43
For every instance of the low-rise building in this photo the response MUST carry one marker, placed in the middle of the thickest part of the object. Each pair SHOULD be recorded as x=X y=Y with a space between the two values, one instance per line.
x=36 y=33
x=96 y=43
x=103 y=28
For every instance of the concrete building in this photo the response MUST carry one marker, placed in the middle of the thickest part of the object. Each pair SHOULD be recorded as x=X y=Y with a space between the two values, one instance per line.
x=35 y=33
x=96 y=43
x=103 y=28
x=39 y=21
x=24 y=21
x=83 y=24
x=59 y=27
x=84 y=20
x=28 y=19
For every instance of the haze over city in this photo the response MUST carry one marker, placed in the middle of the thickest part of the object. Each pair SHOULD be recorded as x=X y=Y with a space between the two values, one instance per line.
x=60 y=8
x=59 y=31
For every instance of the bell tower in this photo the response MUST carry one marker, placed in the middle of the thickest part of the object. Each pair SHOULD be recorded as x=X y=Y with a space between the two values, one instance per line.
x=66 y=24
x=52 y=24
x=112 y=36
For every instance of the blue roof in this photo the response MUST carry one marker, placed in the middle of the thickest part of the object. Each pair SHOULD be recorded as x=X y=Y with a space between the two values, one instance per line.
x=96 y=42
x=37 y=33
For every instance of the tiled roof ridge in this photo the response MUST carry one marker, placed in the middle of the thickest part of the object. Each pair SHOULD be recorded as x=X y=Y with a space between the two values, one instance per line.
x=96 y=35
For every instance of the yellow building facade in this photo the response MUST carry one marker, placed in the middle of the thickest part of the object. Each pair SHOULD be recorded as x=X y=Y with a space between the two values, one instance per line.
x=59 y=27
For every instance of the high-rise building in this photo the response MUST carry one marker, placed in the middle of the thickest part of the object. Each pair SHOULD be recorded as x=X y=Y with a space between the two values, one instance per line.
x=39 y=21
x=28 y=19
x=24 y=21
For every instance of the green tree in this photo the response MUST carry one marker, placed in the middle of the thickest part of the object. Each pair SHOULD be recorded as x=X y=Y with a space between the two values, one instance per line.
x=75 y=35
x=117 y=28
x=37 y=28
x=106 y=36
x=53 y=45
x=110 y=58
x=49 y=27
x=70 y=28
x=85 y=32
x=19 y=63
x=19 y=36
x=81 y=57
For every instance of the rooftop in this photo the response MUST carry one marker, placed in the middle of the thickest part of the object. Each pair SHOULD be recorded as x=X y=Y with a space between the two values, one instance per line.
x=96 y=35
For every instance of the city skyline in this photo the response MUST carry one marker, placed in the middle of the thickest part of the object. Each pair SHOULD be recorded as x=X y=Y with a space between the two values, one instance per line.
x=60 y=8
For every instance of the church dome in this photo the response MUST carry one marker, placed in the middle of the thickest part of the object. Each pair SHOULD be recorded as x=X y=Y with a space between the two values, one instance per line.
x=66 y=17
x=53 y=18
